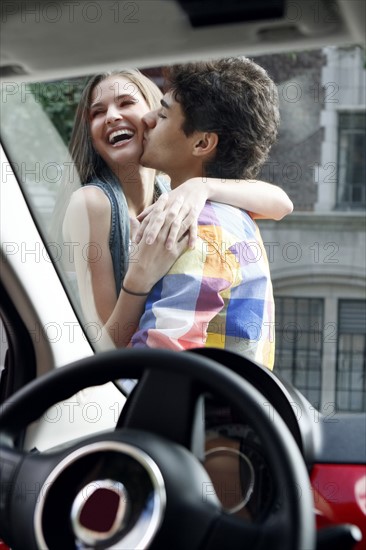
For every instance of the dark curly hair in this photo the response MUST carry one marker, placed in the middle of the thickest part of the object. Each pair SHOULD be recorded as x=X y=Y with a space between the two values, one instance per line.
x=234 y=98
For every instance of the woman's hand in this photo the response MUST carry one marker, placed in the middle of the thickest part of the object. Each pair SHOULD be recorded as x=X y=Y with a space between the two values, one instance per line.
x=148 y=263
x=177 y=211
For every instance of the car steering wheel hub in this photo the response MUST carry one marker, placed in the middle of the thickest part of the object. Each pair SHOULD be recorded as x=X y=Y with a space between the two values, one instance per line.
x=100 y=511
x=106 y=511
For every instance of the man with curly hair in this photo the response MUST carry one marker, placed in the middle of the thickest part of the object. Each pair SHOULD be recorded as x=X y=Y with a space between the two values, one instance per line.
x=219 y=119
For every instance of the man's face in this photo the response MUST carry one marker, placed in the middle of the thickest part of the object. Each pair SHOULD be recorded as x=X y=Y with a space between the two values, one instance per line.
x=166 y=147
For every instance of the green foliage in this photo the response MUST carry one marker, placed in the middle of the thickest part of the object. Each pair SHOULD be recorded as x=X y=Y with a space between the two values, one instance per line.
x=60 y=99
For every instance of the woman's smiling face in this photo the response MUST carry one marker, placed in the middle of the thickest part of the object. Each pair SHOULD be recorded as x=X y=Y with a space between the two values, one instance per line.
x=116 y=110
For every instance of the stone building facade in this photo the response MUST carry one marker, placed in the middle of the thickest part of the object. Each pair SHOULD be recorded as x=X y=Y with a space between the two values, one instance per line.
x=317 y=254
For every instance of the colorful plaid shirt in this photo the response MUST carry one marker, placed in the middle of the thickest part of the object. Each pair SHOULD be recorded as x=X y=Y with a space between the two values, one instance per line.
x=219 y=294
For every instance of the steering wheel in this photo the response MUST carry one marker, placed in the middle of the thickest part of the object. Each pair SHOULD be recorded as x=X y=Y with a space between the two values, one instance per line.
x=142 y=485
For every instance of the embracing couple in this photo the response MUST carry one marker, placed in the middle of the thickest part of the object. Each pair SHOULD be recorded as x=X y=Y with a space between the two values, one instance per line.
x=179 y=266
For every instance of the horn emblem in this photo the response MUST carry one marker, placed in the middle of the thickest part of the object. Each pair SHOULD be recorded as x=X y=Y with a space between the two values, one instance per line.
x=100 y=511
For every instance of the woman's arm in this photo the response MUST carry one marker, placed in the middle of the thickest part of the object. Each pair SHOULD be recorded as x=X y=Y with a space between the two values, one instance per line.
x=87 y=227
x=262 y=199
x=180 y=208
x=151 y=263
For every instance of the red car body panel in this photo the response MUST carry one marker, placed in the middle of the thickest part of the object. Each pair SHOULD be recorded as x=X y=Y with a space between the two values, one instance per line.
x=340 y=496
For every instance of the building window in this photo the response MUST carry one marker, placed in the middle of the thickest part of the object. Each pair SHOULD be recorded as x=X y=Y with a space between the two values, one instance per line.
x=299 y=341
x=351 y=356
x=351 y=160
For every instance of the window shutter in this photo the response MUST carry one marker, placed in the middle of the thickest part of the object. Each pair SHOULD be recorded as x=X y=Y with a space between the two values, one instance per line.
x=352 y=317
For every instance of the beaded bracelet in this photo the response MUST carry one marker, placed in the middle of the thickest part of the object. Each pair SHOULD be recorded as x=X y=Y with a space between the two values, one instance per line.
x=134 y=293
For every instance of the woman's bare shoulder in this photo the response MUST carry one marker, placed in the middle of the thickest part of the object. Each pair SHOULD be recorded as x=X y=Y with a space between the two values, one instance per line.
x=87 y=205
x=89 y=198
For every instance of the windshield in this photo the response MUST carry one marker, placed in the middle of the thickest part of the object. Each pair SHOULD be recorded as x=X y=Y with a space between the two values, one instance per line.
x=315 y=255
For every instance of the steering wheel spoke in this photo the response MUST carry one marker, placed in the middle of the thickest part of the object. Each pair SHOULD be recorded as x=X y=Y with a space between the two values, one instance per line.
x=10 y=460
x=23 y=477
x=166 y=403
x=244 y=534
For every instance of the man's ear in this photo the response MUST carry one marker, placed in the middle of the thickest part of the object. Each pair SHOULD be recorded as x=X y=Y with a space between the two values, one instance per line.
x=205 y=144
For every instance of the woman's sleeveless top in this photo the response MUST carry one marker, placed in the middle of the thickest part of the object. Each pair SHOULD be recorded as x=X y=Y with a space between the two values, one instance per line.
x=119 y=238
